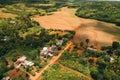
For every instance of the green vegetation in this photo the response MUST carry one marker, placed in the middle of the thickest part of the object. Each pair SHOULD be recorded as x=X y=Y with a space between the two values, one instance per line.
x=104 y=11
x=73 y=61
x=22 y=36
x=101 y=64
x=56 y=72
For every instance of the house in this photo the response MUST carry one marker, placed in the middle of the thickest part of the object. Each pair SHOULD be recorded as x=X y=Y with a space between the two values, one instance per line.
x=92 y=49
x=12 y=22
x=44 y=51
x=6 y=39
x=6 y=78
x=27 y=63
x=53 y=48
x=47 y=51
x=23 y=62
x=21 y=59
x=111 y=59
x=59 y=42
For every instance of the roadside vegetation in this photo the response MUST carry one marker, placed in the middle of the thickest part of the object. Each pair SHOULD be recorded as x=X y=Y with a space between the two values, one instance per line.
x=99 y=64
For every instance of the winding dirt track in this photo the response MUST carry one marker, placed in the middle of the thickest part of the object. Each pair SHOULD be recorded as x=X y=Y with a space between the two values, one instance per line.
x=99 y=33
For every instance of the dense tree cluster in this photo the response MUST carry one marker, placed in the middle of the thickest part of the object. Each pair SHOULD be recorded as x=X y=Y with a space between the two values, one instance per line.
x=104 y=11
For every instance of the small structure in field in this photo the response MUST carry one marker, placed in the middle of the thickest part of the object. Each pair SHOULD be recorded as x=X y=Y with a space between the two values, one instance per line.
x=7 y=39
x=59 y=42
x=23 y=62
x=53 y=48
x=46 y=52
x=6 y=78
x=92 y=49
x=111 y=59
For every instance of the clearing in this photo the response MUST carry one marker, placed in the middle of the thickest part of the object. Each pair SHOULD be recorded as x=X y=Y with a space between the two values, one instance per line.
x=99 y=33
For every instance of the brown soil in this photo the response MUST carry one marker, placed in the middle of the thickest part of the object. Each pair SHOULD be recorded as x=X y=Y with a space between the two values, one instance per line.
x=80 y=51
x=6 y=15
x=99 y=33
x=14 y=74
x=71 y=48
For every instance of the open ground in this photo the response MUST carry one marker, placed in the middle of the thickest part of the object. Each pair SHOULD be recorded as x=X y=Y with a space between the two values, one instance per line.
x=99 y=33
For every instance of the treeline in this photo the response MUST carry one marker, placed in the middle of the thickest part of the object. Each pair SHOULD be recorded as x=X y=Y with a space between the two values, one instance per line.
x=23 y=1
x=104 y=11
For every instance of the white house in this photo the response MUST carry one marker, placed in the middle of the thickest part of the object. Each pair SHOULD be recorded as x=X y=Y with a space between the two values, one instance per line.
x=6 y=78
x=23 y=62
x=47 y=51
x=92 y=49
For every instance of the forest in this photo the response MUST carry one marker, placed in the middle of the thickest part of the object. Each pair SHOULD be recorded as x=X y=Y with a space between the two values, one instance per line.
x=103 y=11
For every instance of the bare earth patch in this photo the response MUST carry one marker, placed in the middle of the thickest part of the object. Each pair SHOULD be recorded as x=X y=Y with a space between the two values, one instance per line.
x=99 y=33
x=6 y=15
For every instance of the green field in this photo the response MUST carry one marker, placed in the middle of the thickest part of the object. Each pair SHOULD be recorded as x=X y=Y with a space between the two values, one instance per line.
x=57 y=72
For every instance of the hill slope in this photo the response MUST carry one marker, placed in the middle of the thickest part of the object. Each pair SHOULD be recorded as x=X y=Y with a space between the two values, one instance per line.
x=99 y=33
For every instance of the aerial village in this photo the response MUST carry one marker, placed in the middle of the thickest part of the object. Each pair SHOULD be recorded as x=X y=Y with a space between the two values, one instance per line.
x=45 y=53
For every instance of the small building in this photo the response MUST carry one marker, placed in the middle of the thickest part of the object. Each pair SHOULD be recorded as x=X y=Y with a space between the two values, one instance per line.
x=59 y=42
x=12 y=22
x=21 y=59
x=53 y=48
x=23 y=62
x=27 y=63
x=45 y=52
x=111 y=59
x=6 y=78
x=6 y=39
x=92 y=49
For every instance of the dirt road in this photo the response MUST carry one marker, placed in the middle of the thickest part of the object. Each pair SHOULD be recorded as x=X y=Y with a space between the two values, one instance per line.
x=51 y=62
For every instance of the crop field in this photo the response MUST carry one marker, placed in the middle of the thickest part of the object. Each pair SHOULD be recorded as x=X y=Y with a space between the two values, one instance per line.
x=99 y=33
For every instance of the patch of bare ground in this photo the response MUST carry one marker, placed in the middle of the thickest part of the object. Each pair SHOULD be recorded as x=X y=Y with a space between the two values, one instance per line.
x=6 y=15
x=99 y=33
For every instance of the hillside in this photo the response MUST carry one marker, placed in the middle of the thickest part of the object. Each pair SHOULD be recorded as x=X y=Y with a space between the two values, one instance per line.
x=99 y=33
x=104 y=11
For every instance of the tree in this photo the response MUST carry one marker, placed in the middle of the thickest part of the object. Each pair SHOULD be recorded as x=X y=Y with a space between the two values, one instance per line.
x=91 y=61
x=87 y=41
x=115 y=45
x=118 y=52
x=81 y=44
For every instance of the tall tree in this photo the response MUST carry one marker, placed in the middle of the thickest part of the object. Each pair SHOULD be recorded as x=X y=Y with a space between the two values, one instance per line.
x=115 y=45
x=87 y=41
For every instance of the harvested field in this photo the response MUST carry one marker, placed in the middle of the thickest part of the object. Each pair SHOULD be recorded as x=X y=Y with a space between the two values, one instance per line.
x=99 y=33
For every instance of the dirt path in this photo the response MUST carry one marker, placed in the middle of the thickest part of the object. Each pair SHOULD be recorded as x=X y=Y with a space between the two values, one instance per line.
x=51 y=62
x=76 y=72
